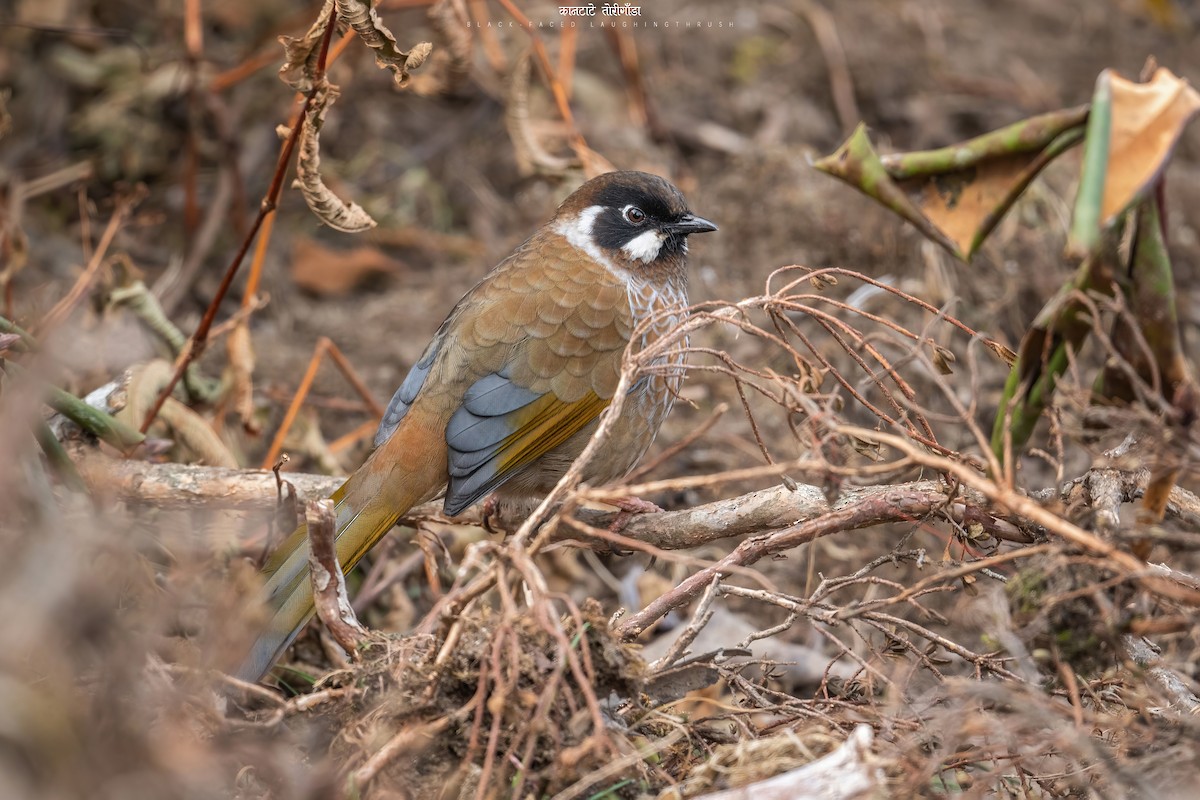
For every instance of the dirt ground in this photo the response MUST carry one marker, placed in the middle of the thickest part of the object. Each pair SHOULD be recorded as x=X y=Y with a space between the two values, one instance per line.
x=740 y=98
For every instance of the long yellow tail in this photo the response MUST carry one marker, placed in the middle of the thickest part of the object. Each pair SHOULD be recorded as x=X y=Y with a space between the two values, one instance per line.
x=397 y=476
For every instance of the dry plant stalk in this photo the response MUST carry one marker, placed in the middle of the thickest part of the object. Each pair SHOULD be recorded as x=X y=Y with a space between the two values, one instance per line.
x=329 y=584
x=891 y=618
x=530 y=653
x=324 y=346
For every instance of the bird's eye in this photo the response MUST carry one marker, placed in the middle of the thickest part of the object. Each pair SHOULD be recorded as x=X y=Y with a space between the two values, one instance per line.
x=635 y=215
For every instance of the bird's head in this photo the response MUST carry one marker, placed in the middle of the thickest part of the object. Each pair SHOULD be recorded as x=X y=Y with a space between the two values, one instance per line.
x=632 y=219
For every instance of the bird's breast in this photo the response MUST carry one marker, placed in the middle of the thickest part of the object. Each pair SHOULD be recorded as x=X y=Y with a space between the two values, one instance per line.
x=659 y=307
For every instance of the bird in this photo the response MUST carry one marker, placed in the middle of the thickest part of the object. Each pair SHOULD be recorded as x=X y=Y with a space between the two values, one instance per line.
x=512 y=385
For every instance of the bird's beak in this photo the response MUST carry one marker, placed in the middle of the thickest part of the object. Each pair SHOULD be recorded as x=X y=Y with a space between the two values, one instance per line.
x=690 y=223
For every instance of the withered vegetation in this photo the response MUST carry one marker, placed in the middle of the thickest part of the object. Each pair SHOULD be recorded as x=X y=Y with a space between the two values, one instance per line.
x=930 y=527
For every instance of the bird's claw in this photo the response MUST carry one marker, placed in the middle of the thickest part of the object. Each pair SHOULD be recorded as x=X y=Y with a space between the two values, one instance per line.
x=490 y=514
x=629 y=507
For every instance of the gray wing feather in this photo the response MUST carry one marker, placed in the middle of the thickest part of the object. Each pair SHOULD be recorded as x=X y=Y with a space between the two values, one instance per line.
x=474 y=435
x=403 y=399
x=496 y=395
x=473 y=485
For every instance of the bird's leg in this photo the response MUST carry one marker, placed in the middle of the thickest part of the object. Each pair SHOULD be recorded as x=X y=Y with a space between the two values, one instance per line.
x=490 y=513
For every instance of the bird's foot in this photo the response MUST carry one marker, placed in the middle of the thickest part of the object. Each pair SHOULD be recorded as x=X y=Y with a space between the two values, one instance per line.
x=490 y=513
x=628 y=508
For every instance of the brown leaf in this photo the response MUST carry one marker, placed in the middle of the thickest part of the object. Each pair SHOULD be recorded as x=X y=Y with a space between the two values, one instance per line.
x=338 y=214
x=300 y=54
x=241 y=370
x=1163 y=478
x=965 y=205
x=362 y=17
x=956 y=195
x=322 y=270
x=1147 y=121
x=532 y=157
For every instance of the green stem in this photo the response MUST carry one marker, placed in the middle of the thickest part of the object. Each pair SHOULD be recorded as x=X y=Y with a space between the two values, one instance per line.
x=105 y=426
x=1026 y=136
x=58 y=458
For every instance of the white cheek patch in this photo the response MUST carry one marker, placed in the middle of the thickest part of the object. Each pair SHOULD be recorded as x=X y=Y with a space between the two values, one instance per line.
x=578 y=231
x=645 y=246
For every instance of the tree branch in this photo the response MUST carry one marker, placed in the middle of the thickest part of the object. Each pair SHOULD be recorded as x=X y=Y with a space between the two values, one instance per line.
x=183 y=487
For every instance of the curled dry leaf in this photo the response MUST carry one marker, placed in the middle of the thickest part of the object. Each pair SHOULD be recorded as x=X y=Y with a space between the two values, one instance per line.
x=1147 y=121
x=943 y=358
x=329 y=208
x=14 y=250
x=366 y=23
x=241 y=370
x=300 y=55
x=956 y=195
x=1132 y=131
x=1003 y=353
x=328 y=583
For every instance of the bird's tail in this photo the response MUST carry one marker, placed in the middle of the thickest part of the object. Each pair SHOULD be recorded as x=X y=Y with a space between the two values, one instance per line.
x=366 y=506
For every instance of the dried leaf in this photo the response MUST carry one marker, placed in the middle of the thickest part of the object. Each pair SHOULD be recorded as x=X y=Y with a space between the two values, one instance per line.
x=1006 y=355
x=857 y=163
x=674 y=683
x=943 y=359
x=324 y=271
x=131 y=293
x=329 y=208
x=137 y=393
x=1132 y=132
x=1158 y=493
x=1147 y=121
x=14 y=250
x=10 y=341
x=300 y=55
x=366 y=23
x=967 y=204
x=956 y=195
x=196 y=435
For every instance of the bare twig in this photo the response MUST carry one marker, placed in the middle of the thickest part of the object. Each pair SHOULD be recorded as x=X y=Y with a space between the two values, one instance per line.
x=63 y=308
x=1170 y=682
x=324 y=346
x=199 y=339
x=700 y=618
